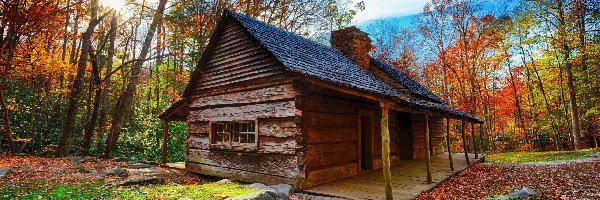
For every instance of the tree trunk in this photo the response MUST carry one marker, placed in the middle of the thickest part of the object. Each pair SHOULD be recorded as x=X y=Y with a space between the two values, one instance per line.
x=109 y=64
x=125 y=101
x=7 y=129
x=77 y=87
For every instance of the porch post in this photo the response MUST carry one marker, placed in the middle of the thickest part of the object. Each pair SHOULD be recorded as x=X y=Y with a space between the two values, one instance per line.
x=448 y=142
x=474 y=140
x=427 y=148
x=481 y=138
x=165 y=141
x=464 y=140
x=385 y=152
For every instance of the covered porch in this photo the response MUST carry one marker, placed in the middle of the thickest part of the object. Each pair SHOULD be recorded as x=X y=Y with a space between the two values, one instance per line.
x=407 y=179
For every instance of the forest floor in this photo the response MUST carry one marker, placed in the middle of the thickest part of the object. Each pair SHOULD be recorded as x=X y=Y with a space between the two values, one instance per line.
x=95 y=178
x=552 y=175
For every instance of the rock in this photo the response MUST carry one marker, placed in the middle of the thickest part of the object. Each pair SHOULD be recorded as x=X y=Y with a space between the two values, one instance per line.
x=24 y=168
x=141 y=181
x=4 y=171
x=523 y=193
x=83 y=170
x=77 y=160
x=140 y=165
x=113 y=172
x=225 y=181
x=184 y=198
x=260 y=195
x=282 y=191
x=594 y=154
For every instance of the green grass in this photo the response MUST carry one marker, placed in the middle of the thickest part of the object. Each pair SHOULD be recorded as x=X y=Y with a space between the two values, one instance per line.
x=525 y=157
x=94 y=190
x=205 y=191
x=54 y=190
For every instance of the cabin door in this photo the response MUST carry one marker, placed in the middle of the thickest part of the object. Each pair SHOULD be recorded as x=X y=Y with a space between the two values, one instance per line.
x=365 y=142
x=404 y=140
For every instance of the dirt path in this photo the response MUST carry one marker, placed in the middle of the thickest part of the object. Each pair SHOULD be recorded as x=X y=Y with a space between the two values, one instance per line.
x=576 y=179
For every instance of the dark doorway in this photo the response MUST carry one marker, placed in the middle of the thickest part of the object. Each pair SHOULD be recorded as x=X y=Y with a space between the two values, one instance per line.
x=366 y=143
x=405 y=136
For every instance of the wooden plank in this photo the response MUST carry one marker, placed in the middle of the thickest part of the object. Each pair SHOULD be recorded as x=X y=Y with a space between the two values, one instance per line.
x=278 y=92
x=277 y=165
x=237 y=174
x=278 y=145
x=328 y=158
x=385 y=155
x=246 y=112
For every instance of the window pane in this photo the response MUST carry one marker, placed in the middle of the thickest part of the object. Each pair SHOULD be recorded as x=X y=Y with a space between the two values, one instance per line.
x=251 y=138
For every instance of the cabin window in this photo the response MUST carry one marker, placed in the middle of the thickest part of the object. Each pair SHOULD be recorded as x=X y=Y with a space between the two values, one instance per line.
x=234 y=133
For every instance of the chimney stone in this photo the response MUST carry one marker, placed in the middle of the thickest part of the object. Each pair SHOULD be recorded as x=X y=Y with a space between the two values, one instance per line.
x=353 y=43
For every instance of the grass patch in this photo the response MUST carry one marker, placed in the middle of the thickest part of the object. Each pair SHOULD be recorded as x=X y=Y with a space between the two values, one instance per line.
x=205 y=191
x=34 y=189
x=525 y=157
x=54 y=190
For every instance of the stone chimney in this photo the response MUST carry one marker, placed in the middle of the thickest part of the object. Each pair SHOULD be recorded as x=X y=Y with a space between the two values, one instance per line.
x=354 y=43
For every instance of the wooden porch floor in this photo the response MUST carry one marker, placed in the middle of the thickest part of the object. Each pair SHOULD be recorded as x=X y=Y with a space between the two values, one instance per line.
x=409 y=179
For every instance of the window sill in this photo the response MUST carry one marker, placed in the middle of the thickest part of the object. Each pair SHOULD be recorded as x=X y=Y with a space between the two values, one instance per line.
x=235 y=147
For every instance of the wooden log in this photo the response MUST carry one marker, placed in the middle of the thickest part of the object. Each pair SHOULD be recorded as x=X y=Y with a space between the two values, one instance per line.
x=274 y=93
x=278 y=145
x=473 y=139
x=163 y=154
x=285 y=127
x=427 y=148
x=198 y=141
x=464 y=140
x=330 y=173
x=385 y=149
x=272 y=164
x=448 y=142
x=237 y=174
x=246 y=112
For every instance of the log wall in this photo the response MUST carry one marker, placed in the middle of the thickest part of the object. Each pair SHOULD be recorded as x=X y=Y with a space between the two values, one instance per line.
x=331 y=127
x=242 y=81
x=436 y=135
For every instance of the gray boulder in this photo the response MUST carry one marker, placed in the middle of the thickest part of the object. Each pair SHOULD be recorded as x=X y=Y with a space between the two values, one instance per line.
x=77 y=160
x=260 y=195
x=140 y=165
x=24 y=168
x=141 y=181
x=4 y=171
x=225 y=181
x=113 y=172
x=519 y=194
x=282 y=191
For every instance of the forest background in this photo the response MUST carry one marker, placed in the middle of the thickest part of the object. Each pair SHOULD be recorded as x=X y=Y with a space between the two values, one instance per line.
x=91 y=77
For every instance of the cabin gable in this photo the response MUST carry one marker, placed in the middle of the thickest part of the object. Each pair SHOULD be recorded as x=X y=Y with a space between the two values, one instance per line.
x=236 y=58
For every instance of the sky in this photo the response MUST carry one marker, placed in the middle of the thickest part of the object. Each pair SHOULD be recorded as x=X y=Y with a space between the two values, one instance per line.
x=382 y=9
x=400 y=13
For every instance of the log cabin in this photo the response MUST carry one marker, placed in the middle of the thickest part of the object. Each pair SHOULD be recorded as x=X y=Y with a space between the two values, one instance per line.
x=266 y=105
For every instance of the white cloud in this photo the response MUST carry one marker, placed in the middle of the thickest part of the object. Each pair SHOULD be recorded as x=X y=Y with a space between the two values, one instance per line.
x=377 y=9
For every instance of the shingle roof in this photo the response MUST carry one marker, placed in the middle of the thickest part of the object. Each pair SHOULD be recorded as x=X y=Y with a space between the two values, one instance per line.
x=401 y=77
x=310 y=58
